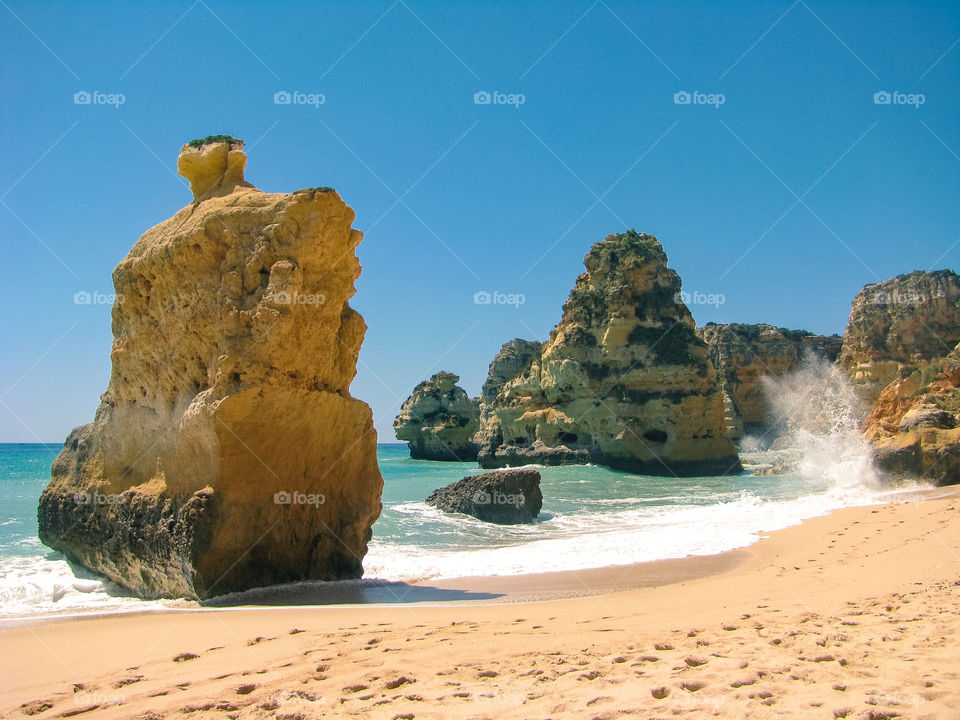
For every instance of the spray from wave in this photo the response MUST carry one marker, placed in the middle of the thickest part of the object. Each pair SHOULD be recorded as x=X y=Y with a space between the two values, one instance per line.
x=817 y=415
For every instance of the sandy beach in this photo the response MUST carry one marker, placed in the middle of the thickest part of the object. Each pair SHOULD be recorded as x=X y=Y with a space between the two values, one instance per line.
x=851 y=615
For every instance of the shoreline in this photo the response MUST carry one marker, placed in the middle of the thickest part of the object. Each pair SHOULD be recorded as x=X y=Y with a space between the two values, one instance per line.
x=478 y=590
x=848 y=599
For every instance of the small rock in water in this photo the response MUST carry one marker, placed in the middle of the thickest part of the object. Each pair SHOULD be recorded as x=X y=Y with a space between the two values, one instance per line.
x=506 y=497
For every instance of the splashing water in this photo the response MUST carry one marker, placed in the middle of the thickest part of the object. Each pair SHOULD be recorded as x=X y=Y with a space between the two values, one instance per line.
x=819 y=413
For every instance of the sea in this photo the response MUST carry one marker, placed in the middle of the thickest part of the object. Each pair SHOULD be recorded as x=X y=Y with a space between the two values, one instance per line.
x=592 y=516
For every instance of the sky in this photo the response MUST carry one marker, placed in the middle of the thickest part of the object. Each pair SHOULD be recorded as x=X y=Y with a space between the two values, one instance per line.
x=785 y=154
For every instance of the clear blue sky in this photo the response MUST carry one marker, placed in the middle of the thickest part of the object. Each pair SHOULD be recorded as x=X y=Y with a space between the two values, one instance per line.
x=786 y=198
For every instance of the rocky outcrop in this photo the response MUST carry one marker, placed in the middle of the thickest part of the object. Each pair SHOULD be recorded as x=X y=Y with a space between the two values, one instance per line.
x=914 y=426
x=438 y=421
x=227 y=451
x=745 y=354
x=623 y=380
x=513 y=360
x=899 y=323
x=506 y=497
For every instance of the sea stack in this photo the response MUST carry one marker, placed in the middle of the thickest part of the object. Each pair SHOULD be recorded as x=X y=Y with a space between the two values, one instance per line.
x=439 y=420
x=623 y=380
x=227 y=451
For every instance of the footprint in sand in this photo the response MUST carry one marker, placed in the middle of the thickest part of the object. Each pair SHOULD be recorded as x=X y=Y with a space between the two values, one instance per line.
x=397 y=682
x=35 y=707
x=183 y=657
x=128 y=681
x=660 y=692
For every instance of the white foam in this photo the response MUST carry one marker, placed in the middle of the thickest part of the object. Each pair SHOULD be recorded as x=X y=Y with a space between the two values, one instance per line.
x=37 y=585
x=588 y=540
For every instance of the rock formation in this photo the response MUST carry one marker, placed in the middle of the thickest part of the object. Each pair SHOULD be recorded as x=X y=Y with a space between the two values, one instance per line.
x=506 y=497
x=439 y=420
x=744 y=354
x=623 y=380
x=901 y=322
x=915 y=423
x=227 y=451
x=513 y=360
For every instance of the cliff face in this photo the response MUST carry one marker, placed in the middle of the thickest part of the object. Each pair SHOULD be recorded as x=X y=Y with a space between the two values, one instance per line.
x=514 y=359
x=907 y=320
x=439 y=420
x=227 y=451
x=744 y=354
x=623 y=380
x=915 y=423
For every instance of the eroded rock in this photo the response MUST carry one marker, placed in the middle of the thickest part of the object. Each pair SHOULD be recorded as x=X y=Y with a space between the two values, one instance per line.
x=904 y=321
x=745 y=354
x=227 y=451
x=506 y=497
x=438 y=420
x=623 y=380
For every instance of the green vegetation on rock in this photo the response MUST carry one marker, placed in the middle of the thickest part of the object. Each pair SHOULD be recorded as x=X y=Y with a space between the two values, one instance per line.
x=211 y=139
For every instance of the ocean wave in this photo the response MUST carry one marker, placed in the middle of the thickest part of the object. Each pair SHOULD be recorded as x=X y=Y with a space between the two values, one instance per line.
x=38 y=585
x=583 y=540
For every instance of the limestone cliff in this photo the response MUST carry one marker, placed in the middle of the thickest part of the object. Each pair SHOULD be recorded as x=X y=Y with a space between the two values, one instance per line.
x=915 y=424
x=513 y=360
x=439 y=420
x=744 y=354
x=623 y=380
x=904 y=321
x=227 y=451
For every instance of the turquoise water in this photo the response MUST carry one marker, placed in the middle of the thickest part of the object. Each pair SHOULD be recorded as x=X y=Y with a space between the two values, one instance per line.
x=24 y=472
x=591 y=517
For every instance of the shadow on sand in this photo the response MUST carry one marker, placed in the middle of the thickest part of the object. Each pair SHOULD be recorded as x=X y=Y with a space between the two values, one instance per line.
x=348 y=592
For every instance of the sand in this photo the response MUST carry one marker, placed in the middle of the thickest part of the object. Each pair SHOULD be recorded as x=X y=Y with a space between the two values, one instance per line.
x=851 y=615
